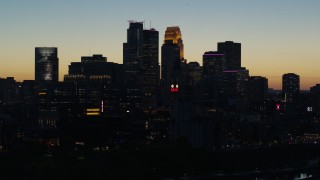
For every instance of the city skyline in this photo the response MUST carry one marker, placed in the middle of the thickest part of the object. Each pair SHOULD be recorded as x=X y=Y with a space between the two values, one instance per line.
x=276 y=37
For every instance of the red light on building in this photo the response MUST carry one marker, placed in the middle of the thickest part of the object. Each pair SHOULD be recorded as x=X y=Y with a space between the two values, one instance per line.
x=278 y=107
x=174 y=88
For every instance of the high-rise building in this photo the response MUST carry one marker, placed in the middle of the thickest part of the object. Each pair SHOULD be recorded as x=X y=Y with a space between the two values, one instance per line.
x=149 y=75
x=132 y=62
x=257 y=88
x=170 y=63
x=235 y=85
x=174 y=34
x=94 y=80
x=232 y=54
x=141 y=64
x=7 y=91
x=213 y=65
x=194 y=73
x=132 y=52
x=290 y=87
x=46 y=64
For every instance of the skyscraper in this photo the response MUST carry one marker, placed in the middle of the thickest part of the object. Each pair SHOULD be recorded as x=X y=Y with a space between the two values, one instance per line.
x=141 y=64
x=174 y=34
x=235 y=83
x=132 y=52
x=257 y=89
x=170 y=63
x=46 y=64
x=213 y=65
x=173 y=63
x=149 y=75
x=232 y=54
x=290 y=87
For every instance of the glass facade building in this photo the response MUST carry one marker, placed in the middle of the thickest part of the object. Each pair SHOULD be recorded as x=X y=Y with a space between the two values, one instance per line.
x=46 y=64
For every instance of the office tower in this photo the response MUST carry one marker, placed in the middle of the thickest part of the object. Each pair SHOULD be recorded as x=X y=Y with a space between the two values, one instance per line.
x=232 y=54
x=132 y=62
x=170 y=64
x=94 y=80
x=257 y=89
x=315 y=94
x=149 y=75
x=174 y=34
x=46 y=64
x=46 y=78
x=290 y=87
x=213 y=65
x=94 y=67
x=8 y=91
x=236 y=83
x=141 y=65
x=194 y=73
x=132 y=52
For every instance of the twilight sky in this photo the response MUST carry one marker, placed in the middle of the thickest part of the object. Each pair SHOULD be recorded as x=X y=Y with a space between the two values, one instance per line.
x=277 y=36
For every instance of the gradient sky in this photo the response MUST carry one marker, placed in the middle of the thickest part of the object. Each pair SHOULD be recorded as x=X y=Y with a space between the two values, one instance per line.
x=277 y=36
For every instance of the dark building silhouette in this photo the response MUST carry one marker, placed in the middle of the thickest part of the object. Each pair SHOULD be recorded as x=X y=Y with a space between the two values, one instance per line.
x=194 y=74
x=315 y=89
x=149 y=75
x=170 y=69
x=93 y=59
x=94 y=80
x=8 y=94
x=290 y=87
x=257 y=88
x=94 y=67
x=315 y=94
x=213 y=81
x=236 y=82
x=232 y=54
x=141 y=65
x=132 y=53
x=173 y=64
x=46 y=64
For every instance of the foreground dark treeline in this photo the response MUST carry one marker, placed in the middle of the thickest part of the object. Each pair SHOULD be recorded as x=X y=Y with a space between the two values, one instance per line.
x=158 y=162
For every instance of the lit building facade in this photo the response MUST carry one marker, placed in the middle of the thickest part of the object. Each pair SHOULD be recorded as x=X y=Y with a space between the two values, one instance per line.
x=174 y=34
x=46 y=64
